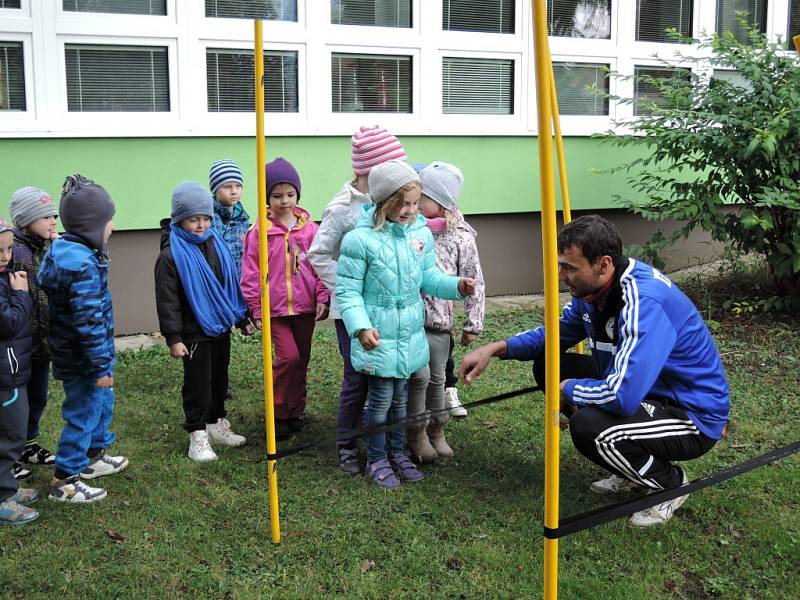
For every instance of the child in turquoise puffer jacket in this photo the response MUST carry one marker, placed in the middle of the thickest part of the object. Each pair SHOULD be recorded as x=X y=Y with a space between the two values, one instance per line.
x=384 y=263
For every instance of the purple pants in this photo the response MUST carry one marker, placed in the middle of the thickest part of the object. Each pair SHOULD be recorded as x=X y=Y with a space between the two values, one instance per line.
x=354 y=391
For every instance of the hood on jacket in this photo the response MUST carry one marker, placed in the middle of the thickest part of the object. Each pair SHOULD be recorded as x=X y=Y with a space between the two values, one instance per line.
x=274 y=228
x=347 y=194
x=165 y=225
x=368 y=213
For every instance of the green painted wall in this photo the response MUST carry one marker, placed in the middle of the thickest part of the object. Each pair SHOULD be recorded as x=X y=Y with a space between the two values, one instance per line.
x=501 y=173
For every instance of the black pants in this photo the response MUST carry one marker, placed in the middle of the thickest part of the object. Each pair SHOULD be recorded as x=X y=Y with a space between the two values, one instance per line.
x=205 y=382
x=13 y=424
x=450 y=377
x=638 y=447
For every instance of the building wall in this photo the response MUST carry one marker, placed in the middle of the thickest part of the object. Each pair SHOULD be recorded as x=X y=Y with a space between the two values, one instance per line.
x=510 y=247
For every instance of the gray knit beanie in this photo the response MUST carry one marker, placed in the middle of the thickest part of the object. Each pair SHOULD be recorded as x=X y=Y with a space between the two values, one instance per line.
x=388 y=177
x=190 y=199
x=442 y=183
x=29 y=204
x=85 y=210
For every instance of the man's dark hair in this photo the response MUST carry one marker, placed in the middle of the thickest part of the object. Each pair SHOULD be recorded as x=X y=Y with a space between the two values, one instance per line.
x=594 y=236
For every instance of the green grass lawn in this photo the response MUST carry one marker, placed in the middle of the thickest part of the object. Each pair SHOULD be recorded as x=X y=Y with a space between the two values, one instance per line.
x=472 y=529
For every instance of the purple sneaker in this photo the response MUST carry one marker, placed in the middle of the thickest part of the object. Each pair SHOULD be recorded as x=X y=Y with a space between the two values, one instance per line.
x=381 y=473
x=406 y=469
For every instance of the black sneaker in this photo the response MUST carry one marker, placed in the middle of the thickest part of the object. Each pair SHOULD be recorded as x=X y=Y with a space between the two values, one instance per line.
x=34 y=454
x=283 y=430
x=20 y=472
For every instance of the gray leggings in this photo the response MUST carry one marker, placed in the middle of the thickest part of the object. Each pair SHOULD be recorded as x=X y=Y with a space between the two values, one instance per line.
x=426 y=386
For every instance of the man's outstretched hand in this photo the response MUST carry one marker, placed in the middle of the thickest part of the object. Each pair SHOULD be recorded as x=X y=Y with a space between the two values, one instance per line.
x=478 y=360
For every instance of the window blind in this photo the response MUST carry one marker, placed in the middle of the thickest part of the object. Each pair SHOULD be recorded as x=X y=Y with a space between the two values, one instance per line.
x=653 y=17
x=117 y=78
x=728 y=20
x=371 y=83
x=646 y=88
x=271 y=10
x=230 y=85
x=480 y=86
x=579 y=18
x=488 y=16
x=9 y=3
x=794 y=23
x=375 y=13
x=574 y=83
x=12 y=76
x=127 y=7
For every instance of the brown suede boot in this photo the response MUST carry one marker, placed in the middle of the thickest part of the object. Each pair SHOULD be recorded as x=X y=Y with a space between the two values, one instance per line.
x=418 y=444
x=436 y=436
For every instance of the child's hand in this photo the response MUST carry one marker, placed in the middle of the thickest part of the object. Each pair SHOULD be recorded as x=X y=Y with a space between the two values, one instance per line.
x=178 y=350
x=369 y=338
x=467 y=338
x=54 y=236
x=466 y=286
x=322 y=312
x=18 y=281
x=105 y=382
x=258 y=324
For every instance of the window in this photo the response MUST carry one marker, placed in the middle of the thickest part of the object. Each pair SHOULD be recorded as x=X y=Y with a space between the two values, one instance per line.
x=794 y=22
x=575 y=86
x=647 y=90
x=230 y=82
x=9 y=3
x=271 y=10
x=653 y=17
x=117 y=78
x=580 y=18
x=477 y=86
x=728 y=20
x=375 y=13
x=490 y=16
x=12 y=76
x=126 y=7
x=734 y=78
x=371 y=83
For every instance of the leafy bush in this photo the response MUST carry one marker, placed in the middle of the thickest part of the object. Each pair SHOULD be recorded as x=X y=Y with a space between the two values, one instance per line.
x=723 y=153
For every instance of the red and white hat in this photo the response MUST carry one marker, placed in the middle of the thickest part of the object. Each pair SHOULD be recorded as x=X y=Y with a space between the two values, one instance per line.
x=373 y=145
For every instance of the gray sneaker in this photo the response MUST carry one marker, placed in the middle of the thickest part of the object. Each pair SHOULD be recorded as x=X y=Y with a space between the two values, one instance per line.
x=103 y=464
x=348 y=461
x=73 y=490
x=613 y=485
x=660 y=513
x=14 y=513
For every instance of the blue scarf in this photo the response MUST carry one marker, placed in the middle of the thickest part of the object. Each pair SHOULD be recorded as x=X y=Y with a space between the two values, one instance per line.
x=216 y=307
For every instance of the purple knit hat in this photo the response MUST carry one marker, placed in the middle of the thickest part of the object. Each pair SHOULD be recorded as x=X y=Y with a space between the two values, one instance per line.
x=281 y=170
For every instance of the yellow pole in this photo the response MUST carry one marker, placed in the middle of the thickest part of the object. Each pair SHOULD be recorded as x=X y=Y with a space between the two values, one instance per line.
x=562 y=164
x=796 y=40
x=266 y=333
x=543 y=72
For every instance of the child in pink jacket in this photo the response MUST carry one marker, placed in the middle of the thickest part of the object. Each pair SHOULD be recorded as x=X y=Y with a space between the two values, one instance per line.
x=296 y=295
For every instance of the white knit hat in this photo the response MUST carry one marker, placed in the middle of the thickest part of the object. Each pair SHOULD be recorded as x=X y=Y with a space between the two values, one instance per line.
x=442 y=183
x=373 y=145
x=388 y=177
x=29 y=204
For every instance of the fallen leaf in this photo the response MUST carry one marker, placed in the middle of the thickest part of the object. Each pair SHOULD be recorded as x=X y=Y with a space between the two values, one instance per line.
x=332 y=491
x=365 y=565
x=116 y=537
x=490 y=424
x=453 y=564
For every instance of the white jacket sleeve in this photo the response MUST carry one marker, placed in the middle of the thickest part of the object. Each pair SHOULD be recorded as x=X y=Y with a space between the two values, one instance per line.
x=326 y=245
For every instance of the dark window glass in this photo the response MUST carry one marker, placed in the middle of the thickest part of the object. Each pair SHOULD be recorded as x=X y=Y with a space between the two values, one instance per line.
x=654 y=17
x=271 y=10
x=488 y=16
x=125 y=7
x=728 y=20
x=371 y=83
x=478 y=86
x=374 y=13
x=12 y=76
x=575 y=85
x=231 y=86
x=646 y=89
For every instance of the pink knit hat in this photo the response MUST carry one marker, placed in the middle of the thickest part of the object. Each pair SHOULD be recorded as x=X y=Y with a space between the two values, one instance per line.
x=373 y=146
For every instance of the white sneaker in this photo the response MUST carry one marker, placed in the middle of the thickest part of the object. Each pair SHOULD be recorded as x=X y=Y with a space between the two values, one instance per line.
x=104 y=465
x=221 y=433
x=660 y=513
x=452 y=402
x=199 y=448
x=73 y=490
x=613 y=485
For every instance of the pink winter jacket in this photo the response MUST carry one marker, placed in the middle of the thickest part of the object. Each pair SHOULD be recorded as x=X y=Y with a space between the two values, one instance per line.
x=294 y=288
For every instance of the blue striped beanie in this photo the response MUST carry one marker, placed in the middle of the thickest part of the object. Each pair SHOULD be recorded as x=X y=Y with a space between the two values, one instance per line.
x=223 y=171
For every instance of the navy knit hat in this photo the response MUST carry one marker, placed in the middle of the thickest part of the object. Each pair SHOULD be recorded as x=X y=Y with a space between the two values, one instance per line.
x=85 y=210
x=190 y=199
x=223 y=171
x=281 y=170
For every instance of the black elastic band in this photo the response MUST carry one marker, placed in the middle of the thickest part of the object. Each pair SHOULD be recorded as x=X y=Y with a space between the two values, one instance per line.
x=605 y=514
x=371 y=430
